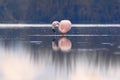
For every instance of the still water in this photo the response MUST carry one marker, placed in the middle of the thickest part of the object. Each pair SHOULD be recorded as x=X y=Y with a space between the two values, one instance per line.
x=25 y=54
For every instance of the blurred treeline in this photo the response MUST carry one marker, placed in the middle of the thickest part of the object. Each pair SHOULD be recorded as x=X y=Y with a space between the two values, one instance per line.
x=45 y=11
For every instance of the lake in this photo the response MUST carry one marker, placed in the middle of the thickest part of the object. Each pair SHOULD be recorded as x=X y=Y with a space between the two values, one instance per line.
x=40 y=54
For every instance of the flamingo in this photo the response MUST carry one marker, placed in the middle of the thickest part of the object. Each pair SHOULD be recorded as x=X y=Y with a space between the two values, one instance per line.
x=63 y=26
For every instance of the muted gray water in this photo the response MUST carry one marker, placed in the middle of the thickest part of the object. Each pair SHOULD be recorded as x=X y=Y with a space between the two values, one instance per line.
x=24 y=57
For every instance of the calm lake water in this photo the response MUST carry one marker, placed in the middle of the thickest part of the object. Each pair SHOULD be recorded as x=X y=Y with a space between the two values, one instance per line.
x=40 y=54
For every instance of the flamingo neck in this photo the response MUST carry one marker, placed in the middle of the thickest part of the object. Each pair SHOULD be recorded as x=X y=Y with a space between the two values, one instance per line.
x=57 y=24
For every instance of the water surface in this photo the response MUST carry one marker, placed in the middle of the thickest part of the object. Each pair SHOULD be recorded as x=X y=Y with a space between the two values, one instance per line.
x=25 y=56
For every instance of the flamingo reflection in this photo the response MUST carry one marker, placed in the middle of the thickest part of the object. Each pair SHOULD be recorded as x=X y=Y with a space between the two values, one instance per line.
x=64 y=45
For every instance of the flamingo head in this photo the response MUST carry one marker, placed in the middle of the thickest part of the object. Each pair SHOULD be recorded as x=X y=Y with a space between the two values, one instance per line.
x=54 y=24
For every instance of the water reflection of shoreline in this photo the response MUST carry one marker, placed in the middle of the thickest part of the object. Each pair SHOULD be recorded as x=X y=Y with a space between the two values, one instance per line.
x=92 y=63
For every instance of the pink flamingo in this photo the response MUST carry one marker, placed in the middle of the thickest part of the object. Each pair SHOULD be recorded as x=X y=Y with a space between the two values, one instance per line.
x=63 y=26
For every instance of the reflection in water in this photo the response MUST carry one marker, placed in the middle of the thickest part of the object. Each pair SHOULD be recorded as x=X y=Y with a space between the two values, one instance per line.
x=64 y=45
x=26 y=60
x=14 y=62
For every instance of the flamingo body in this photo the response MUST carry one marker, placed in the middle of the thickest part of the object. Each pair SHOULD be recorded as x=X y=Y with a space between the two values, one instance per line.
x=64 y=26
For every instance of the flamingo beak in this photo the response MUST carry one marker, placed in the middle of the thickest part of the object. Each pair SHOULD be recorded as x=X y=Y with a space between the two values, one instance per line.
x=53 y=29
